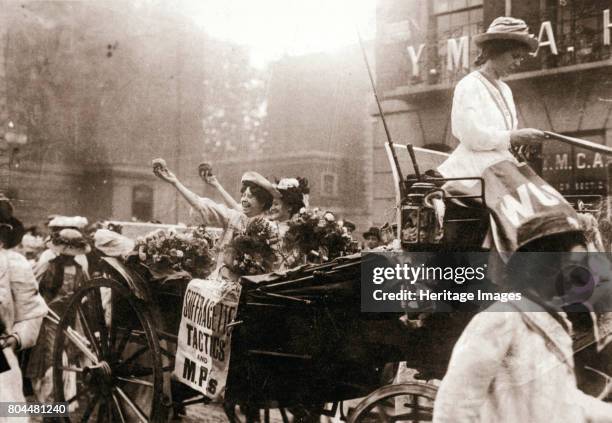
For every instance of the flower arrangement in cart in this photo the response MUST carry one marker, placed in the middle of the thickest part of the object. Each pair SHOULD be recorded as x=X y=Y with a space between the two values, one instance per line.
x=318 y=236
x=172 y=255
x=252 y=252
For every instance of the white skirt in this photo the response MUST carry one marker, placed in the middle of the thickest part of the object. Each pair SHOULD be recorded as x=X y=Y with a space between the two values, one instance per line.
x=11 y=389
x=466 y=163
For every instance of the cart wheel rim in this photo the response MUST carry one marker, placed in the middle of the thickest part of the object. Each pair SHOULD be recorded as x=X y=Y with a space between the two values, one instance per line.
x=406 y=402
x=106 y=356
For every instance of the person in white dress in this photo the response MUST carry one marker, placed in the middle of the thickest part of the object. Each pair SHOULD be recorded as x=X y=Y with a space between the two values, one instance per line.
x=483 y=116
x=22 y=310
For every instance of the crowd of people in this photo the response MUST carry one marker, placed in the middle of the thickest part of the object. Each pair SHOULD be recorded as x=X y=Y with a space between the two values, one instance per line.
x=510 y=364
x=41 y=268
x=40 y=271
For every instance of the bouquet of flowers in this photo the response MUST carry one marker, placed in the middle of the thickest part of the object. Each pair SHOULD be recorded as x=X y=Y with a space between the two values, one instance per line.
x=171 y=255
x=318 y=235
x=252 y=251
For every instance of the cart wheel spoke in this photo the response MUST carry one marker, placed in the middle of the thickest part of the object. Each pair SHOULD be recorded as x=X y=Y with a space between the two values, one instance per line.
x=74 y=338
x=132 y=405
x=134 y=356
x=98 y=311
x=118 y=408
x=112 y=329
x=123 y=341
x=135 y=371
x=88 y=333
x=136 y=381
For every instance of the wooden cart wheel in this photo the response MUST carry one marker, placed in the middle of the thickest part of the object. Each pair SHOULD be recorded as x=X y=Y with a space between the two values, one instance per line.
x=107 y=361
x=406 y=402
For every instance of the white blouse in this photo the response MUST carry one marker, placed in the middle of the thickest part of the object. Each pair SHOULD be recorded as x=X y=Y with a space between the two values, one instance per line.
x=482 y=118
x=231 y=221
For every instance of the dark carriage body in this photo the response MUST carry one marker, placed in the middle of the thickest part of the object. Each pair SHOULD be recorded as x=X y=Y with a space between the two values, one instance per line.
x=303 y=339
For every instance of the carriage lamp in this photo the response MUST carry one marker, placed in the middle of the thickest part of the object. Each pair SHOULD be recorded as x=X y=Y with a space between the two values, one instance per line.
x=419 y=221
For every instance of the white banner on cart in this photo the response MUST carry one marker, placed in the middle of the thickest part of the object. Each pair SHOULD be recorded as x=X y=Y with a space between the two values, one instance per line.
x=204 y=339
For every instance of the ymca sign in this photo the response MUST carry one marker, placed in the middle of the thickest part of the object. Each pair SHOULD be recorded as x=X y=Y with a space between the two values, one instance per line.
x=457 y=49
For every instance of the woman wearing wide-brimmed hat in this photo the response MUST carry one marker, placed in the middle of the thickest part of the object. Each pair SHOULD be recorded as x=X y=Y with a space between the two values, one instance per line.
x=257 y=196
x=483 y=116
x=61 y=277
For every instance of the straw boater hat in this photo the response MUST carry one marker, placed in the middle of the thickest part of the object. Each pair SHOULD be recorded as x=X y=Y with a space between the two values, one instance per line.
x=507 y=28
x=69 y=242
x=257 y=179
x=77 y=222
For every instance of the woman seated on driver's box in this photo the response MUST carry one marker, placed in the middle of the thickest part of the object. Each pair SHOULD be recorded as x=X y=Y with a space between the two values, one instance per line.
x=514 y=361
x=483 y=115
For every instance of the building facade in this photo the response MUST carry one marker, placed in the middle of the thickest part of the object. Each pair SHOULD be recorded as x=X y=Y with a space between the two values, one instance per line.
x=425 y=46
x=99 y=89
x=316 y=127
x=90 y=93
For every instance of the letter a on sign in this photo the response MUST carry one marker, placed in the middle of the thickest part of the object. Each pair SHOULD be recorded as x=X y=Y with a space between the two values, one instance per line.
x=547 y=27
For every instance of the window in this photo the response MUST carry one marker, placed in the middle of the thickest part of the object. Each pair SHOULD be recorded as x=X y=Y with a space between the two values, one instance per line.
x=578 y=27
x=455 y=19
x=329 y=184
x=142 y=203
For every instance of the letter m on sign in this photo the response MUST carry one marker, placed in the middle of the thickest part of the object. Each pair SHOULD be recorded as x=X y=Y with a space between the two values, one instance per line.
x=457 y=53
x=189 y=370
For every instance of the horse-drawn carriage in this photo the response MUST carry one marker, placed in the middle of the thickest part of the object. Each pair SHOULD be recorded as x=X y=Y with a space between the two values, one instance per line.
x=299 y=341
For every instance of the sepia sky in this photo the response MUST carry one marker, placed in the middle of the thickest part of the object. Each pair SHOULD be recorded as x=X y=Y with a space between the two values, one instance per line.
x=276 y=27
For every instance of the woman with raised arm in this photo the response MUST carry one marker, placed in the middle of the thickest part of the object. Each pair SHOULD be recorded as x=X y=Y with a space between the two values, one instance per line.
x=257 y=196
x=483 y=115
x=205 y=172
